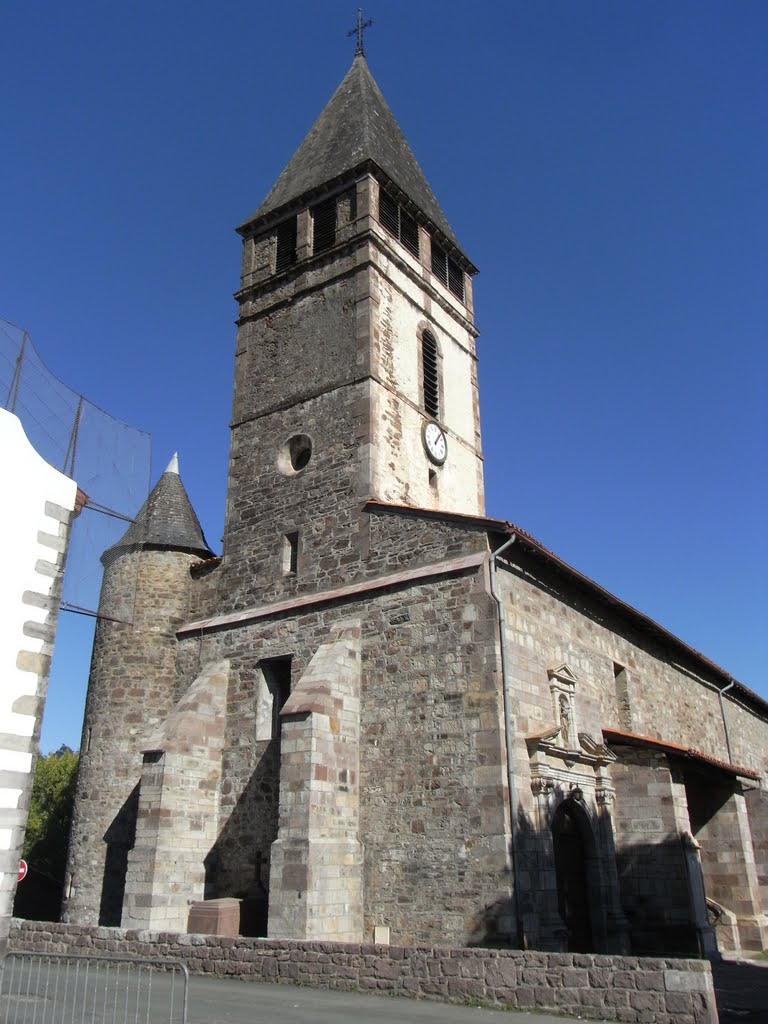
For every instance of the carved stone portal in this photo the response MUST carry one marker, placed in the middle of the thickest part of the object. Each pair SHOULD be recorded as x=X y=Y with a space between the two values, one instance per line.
x=570 y=766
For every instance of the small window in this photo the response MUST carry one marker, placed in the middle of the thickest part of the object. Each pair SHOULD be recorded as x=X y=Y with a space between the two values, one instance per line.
x=294 y=455
x=291 y=553
x=286 y=244
x=272 y=691
x=324 y=225
x=398 y=223
x=430 y=374
x=622 y=696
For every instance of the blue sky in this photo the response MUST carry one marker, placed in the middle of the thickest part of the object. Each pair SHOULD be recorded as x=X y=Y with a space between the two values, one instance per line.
x=604 y=165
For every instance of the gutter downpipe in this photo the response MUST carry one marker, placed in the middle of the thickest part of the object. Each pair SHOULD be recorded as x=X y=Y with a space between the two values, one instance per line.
x=725 y=689
x=508 y=733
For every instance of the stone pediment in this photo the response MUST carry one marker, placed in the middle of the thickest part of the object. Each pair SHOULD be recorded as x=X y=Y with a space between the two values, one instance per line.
x=563 y=674
x=599 y=750
x=547 y=734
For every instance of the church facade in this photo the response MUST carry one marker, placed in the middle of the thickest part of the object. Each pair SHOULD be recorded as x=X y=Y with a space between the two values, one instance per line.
x=380 y=714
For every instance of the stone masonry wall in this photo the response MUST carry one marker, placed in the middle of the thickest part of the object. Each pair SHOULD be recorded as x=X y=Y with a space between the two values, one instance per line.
x=757 y=810
x=613 y=988
x=320 y=502
x=339 y=544
x=178 y=807
x=434 y=816
x=131 y=689
x=402 y=311
x=549 y=622
x=630 y=681
x=317 y=860
x=650 y=856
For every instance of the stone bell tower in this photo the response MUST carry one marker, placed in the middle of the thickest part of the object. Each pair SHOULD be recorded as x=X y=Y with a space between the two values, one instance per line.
x=356 y=373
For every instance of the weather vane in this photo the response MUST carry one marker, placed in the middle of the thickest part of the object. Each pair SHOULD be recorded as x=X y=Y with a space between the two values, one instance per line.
x=359 y=29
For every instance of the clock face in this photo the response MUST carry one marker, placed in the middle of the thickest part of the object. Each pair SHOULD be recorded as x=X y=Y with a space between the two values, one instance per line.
x=434 y=442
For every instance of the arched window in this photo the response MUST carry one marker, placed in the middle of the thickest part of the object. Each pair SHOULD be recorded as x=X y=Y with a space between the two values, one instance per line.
x=429 y=372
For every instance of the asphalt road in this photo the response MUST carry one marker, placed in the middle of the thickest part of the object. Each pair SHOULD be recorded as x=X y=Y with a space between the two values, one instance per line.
x=218 y=1001
x=31 y=993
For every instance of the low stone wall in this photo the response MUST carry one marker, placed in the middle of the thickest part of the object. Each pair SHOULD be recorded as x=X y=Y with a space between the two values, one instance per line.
x=617 y=988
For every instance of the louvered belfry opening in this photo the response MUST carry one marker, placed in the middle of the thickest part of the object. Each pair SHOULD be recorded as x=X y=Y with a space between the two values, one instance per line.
x=398 y=222
x=429 y=374
x=447 y=270
x=286 y=244
x=324 y=225
x=409 y=233
x=439 y=263
x=389 y=213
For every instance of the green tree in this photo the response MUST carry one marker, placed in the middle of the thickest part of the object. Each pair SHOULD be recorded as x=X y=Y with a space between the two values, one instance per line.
x=50 y=812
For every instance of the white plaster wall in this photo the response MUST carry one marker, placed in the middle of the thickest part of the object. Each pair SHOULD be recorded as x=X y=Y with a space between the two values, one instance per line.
x=400 y=465
x=34 y=544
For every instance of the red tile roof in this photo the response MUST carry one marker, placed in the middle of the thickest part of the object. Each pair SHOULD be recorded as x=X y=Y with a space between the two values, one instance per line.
x=634 y=740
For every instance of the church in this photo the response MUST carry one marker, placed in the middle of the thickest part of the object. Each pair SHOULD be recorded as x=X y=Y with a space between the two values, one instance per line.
x=381 y=715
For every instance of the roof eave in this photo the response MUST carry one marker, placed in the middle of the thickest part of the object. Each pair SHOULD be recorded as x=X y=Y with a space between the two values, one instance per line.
x=263 y=221
x=506 y=528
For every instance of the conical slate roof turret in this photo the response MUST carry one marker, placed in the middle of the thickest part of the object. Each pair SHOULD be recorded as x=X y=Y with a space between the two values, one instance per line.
x=165 y=520
x=356 y=126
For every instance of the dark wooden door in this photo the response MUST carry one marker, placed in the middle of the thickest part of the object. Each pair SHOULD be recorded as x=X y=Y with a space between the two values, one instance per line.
x=572 y=879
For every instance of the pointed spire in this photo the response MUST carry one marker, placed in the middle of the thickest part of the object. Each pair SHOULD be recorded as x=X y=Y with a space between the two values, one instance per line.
x=355 y=127
x=165 y=520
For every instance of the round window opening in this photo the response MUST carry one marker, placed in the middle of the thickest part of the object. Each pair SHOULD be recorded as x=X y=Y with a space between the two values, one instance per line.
x=295 y=454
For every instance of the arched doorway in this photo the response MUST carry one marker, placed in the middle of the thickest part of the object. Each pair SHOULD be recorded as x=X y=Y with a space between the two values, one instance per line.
x=572 y=840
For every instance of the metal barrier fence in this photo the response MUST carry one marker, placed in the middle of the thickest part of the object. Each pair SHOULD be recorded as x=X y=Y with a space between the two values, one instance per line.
x=109 y=459
x=51 y=988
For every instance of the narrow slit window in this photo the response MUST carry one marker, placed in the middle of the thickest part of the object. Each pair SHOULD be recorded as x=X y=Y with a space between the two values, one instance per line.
x=429 y=374
x=286 y=244
x=324 y=225
x=291 y=553
x=622 y=695
x=272 y=691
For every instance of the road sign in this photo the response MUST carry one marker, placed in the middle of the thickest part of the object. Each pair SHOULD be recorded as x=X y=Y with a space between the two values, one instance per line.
x=23 y=869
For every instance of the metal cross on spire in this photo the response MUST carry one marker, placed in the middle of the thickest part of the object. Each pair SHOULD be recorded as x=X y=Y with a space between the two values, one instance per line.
x=358 y=31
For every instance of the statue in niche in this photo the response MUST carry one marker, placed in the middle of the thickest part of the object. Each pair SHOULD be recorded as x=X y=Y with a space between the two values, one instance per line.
x=565 y=721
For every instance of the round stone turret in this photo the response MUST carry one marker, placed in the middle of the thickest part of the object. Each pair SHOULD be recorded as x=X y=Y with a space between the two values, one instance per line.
x=131 y=689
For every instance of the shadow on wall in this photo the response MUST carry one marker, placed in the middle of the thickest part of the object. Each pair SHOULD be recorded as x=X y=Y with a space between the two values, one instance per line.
x=564 y=901
x=120 y=838
x=238 y=863
x=655 y=898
